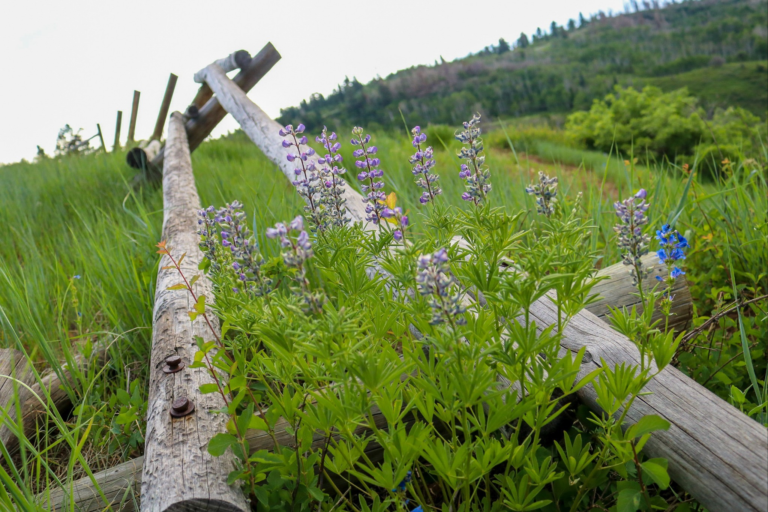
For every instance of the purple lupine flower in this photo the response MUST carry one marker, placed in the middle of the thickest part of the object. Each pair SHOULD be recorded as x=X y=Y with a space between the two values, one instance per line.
x=332 y=195
x=476 y=175
x=423 y=162
x=434 y=279
x=298 y=249
x=308 y=181
x=374 y=197
x=546 y=194
x=633 y=244
x=235 y=235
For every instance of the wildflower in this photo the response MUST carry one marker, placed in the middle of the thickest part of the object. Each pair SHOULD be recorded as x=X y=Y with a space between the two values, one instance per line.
x=369 y=165
x=423 y=162
x=477 y=177
x=394 y=215
x=435 y=279
x=401 y=486
x=242 y=251
x=76 y=276
x=672 y=250
x=307 y=178
x=298 y=249
x=546 y=194
x=332 y=186
x=633 y=244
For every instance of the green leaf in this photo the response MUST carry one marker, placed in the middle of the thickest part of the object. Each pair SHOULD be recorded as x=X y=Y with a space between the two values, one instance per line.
x=208 y=388
x=219 y=444
x=646 y=425
x=629 y=500
x=257 y=423
x=657 y=470
x=180 y=286
x=194 y=279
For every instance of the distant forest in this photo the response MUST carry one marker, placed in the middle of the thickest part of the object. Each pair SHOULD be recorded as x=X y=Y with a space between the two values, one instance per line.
x=565 y=68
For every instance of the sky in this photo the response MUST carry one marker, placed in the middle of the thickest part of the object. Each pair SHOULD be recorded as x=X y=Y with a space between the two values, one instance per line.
x=78 y=62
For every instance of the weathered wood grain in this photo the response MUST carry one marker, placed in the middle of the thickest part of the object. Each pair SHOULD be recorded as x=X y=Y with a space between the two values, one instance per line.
x=165 y=106
x=715 y=452
x=618 y=291
x=211 y=113
x=13 y=367
x=178 y=473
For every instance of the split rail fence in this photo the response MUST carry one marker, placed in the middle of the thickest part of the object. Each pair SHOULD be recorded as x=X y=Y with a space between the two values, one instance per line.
x=715 y=452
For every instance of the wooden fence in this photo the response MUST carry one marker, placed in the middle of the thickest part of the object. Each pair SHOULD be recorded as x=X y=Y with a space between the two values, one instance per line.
x=715 y=452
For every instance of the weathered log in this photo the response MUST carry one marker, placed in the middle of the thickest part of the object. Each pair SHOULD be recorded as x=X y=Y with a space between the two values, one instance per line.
x=212 y=113
x=52 y=384
x=618 y=288
x=721 y=463
x=140 y=156
x=178 y=472
x=14 y=369
x=238 y=59
x=134 y=114
x=118 y=126
x=164 y=108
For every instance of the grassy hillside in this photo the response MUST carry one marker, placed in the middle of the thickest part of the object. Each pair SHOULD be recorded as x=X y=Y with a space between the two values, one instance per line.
x=567 y=68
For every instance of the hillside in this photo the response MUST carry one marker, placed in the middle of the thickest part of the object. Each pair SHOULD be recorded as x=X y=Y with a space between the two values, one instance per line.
x=713 y=47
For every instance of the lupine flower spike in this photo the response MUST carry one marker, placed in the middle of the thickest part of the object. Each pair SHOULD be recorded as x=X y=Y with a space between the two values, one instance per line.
x=307 y=180
x=434 y=279
x=546 y=194
x=423 y=162
x=672 y=251
x=474 y=172
x=240 y=250
x=297 y=250
x=332 y=187
x=633 y=244
x=394 y=215
x=369 y=170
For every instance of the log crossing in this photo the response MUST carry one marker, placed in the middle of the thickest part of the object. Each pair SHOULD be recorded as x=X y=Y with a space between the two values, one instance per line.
x=211 y=113
x=178 y=473
x=715 y=452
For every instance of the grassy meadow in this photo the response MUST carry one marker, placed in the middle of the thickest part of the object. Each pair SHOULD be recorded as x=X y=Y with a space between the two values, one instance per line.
x=78 y=265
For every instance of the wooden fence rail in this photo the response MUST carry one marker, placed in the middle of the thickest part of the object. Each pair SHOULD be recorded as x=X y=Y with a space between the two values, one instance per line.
x=715 y=451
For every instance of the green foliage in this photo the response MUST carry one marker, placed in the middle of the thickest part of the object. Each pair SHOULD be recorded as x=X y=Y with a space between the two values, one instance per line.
x=655 y=124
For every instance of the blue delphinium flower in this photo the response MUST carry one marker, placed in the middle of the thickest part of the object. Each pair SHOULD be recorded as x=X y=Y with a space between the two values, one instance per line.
x=672 y=251
x=423 y=162
x=369 y=170
x=332 y=186
x=476 y=175
x=307 y=181
x=546 y=194
x=401 y=486
x=435 y=279
x=633 y=244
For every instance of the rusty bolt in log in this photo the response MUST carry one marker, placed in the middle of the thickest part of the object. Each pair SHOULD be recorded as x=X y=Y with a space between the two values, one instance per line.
x=173 y=364
x=182 y=407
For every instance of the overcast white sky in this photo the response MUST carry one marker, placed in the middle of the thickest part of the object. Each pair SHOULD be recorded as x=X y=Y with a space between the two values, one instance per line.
x=78 y=61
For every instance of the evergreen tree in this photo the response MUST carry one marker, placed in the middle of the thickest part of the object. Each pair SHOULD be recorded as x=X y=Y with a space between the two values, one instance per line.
x=503 y=46
x=571 y=25
x=522 y=41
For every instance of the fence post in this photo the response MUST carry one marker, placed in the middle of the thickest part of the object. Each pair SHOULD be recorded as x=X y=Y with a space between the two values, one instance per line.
x=134 y=113
x=118 y=126
x=164 y=107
